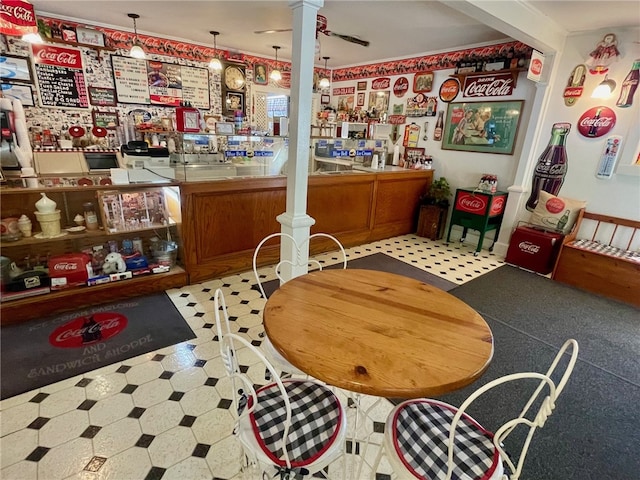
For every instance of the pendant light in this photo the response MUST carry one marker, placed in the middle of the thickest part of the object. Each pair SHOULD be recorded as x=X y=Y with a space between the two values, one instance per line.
x=33 y=37
x=275 y=74
x=605 y=89
x=324 y=81
x=215 y=63
x=136 y=51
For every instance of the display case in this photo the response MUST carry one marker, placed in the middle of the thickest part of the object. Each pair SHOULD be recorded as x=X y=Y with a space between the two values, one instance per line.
x=346 y=154
x=143 y=221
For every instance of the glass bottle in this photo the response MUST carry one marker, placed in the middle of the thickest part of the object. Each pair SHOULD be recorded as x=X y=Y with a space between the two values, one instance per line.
x=437 y=132
x=552 y=165
x=629 y=86
x=90 y=217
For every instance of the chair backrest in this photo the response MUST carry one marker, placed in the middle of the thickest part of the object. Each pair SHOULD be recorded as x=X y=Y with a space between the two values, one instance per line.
x=531 y=420
x=240 y=382
x=298 y=260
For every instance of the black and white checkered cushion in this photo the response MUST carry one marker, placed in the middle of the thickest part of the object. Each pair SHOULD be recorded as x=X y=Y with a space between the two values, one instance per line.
x=420 y=431
x=315 y=421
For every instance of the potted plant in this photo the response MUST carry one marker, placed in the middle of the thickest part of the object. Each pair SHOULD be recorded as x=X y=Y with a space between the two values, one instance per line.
x=438 y=194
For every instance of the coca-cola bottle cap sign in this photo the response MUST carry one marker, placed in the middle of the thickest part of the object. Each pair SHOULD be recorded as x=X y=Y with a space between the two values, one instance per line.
x=596 y=122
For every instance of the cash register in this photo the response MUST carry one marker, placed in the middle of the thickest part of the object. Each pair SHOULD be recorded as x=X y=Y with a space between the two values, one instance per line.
x=146 y=164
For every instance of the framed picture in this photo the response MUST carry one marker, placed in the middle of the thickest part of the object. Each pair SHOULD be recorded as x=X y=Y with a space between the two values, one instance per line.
x=260 y=74
x=360 y=99
x=89 y=36
x=102 y=97
x=233 y=102
x=108 y=120
x=362 y=86
x=423 y=82
x=224 y=128
x=325 y=99
x=127 y=211
x=167 y=123
x=379 y=100
x=485 y=127
x=20 y=92
x=15 y=69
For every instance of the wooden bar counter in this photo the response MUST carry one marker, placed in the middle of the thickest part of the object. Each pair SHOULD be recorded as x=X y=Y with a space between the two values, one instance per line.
x=224 y=220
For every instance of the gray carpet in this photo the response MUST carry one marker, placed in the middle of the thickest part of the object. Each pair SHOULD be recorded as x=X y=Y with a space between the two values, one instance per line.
x=594 y=432
x=383 y=263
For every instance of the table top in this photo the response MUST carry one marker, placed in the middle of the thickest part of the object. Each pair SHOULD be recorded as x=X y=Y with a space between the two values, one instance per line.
x=378 y=333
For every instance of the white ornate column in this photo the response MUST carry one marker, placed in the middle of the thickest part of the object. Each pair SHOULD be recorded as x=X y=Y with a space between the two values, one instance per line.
x=295 y=220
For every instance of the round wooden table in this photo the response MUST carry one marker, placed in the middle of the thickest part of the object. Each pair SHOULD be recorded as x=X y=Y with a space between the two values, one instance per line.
x=378 y=333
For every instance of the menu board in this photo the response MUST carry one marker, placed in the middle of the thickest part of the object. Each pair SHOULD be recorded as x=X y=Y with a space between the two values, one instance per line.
x=158 y=83
x=60 y=76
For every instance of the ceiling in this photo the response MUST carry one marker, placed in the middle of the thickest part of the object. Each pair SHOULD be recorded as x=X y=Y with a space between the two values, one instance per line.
x=395 y=28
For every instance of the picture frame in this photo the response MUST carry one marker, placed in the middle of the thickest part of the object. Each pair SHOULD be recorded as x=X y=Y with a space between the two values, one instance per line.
x=167 y=124
x=423 y=82
x=102 y=96
x=108 y=120
x=325 y=99
x=379 y=100
x=361 y=86
x=360 y=99
x=133 y=210
x=233 y=101
x=484 y=127
x=225 y=128
x=14 y=68
x=19 y=91
x=89 y=36
x=260 y=74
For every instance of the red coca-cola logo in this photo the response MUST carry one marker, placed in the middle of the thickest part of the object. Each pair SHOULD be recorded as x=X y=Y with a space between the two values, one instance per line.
x=66 y=266
x=61 y=57
x=536 y=66
x=555 y=205
x=381 y=83
x=571 y=92
x=401 y=87
x=449 y=89
x=528 y=247
x=397 y=119
x=89 y=329
x=498 y=85
x=596 y=121
x=472 y=203
x=17 y=12
x=497 y=205
x=155 y=65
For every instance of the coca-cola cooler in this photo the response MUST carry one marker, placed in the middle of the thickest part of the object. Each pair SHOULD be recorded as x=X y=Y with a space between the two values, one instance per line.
x=534 y=249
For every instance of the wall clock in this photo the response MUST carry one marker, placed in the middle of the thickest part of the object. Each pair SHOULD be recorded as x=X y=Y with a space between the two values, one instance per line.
x=234 y=77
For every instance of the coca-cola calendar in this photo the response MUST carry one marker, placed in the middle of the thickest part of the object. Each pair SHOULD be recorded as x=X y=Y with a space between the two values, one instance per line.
x=60 y=76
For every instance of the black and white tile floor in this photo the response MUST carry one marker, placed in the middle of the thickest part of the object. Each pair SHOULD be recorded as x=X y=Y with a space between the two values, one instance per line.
x=165 y=415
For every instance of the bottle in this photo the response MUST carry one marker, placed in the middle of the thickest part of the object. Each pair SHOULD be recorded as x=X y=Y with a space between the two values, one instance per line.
x=437 y=132
x=593 y=129
x=562 y=222
x=629 y=86
x=90 y=217
x=396 y=154
x=552 y=165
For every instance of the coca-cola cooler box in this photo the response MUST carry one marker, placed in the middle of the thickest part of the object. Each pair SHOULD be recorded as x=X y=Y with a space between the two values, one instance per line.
x=534 y=249
x=70 y=270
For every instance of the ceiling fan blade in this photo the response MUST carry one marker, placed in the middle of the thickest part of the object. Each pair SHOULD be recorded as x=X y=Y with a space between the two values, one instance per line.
x=277 y=30
x=348 y=38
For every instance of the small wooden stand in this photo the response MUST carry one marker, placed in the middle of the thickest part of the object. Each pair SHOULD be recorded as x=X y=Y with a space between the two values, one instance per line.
x=431 y=221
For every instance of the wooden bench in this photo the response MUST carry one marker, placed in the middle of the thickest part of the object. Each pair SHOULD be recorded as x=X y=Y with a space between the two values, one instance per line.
x=601 y=255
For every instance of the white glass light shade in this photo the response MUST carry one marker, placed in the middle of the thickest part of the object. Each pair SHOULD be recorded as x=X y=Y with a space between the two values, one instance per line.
x=275 y=75
x=137 y=52
x=33 y=37
x=324 y=82
x=604 y=89
x=215 y=64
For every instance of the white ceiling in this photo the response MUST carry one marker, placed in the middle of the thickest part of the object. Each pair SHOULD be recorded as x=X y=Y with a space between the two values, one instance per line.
x=395 y=28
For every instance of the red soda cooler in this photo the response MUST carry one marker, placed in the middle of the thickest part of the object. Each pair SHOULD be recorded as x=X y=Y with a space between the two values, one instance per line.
x=534 y=249
x=70 y=270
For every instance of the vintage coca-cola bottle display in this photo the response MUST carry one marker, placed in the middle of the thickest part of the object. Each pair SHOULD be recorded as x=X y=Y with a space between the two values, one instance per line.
x=629 y=86
x=552 y=165
x=437 y=132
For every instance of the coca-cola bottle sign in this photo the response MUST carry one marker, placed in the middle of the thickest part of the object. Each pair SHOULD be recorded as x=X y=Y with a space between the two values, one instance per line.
x=596 y=122
x=82 y=331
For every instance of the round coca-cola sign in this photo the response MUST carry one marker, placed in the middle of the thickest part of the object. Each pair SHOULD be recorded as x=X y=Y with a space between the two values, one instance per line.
x=82 y=331
x=449 y=89
x=536 y=66
x=401 y=87
x=596 y=121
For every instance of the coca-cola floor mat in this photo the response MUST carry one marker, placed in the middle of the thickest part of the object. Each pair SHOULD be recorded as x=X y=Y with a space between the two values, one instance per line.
x=41 y=352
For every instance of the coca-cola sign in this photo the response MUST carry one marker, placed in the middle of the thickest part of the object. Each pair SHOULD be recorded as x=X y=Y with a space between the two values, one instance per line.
x=17 y=18
x=596 y=121
x=57 y=56
x=495 y=85
x=397 y=119
x=82 y=331
x=381 y=83
x=472 y=203
x=401 y=87
x=497 y=205
x=449 y=90
x=528 y=247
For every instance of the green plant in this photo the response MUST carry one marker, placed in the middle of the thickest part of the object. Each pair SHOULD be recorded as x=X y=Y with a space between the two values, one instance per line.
x=439 y=193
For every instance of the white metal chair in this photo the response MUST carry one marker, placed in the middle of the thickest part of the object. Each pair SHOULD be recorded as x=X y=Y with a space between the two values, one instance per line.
x=276 y=358
x=296 y=426
x=429 y=439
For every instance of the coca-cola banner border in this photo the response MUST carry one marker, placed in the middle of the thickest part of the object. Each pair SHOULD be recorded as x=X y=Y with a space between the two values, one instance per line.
x=483 y=127
x=490 y=85
x=60 y=75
